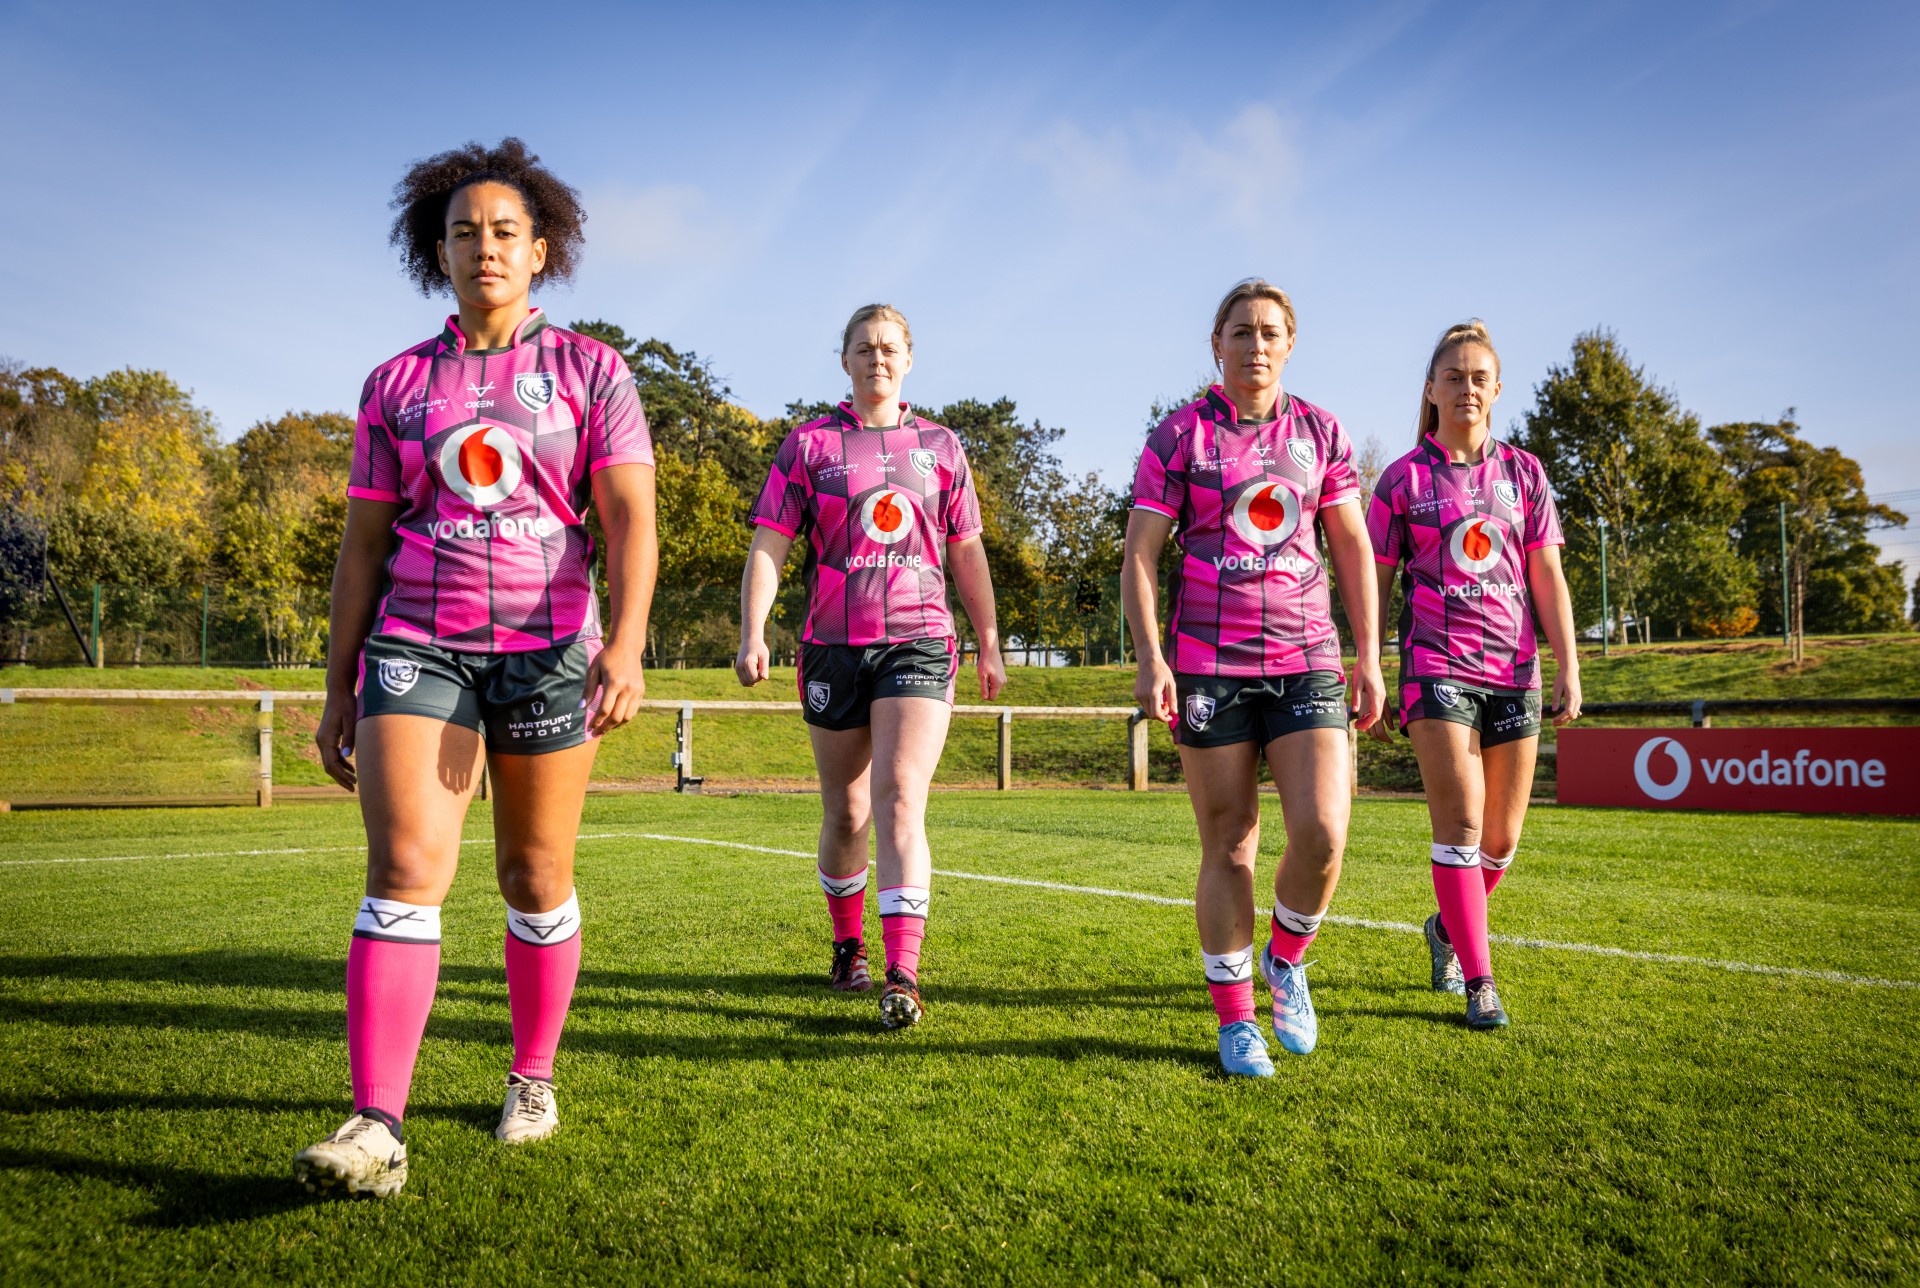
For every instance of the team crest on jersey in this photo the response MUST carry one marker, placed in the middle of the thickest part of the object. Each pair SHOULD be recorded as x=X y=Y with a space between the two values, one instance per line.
x=819 y=693
x=1200 y=710
x=481 y=463
x=534 y=389
x=887 y=516
x=1477 y=544
x=923 y=460
x=1506 y=493
x=396 y=676
x=1449 y=695
x=1267 y=513
x=1301 y=450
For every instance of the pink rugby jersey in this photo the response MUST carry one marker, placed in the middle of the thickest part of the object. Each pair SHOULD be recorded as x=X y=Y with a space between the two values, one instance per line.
x=879 y=508
x=490 y=453
x=1464 y=532
x=1249 y=596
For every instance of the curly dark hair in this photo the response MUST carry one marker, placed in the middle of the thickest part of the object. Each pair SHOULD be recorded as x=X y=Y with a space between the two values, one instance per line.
x=422 y=198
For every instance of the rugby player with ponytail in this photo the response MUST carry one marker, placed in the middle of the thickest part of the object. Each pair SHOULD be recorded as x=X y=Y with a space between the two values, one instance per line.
x=887 y=505
x=1472 y=521
x=465 y=631
x=1250 y=476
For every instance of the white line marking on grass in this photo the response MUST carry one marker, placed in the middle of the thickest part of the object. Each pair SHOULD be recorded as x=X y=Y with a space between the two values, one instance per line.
x=1359 y=923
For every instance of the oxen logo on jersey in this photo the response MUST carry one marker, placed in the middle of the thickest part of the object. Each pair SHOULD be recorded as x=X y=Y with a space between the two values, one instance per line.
x=1301 y=450
x=396 y=676
x=923 y=460
x=534 y=389
x=1267 y=513
x=1507 y=494
x=887 y=516
x=819 y=693
x=1449 y=695
x=539 y=709
x=1477 y=544
x=481 y=463
x=1199 y=710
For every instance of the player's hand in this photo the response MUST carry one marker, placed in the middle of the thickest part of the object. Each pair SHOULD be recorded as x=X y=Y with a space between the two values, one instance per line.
x=1153 y=689
x=1369 y=694
x=993 y=672
x=335 y=739
x=1566 y=698
x=618 y=676
x=751 y=662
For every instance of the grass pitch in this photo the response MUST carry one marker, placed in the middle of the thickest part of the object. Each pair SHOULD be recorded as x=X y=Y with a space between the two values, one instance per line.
x=175 y=1031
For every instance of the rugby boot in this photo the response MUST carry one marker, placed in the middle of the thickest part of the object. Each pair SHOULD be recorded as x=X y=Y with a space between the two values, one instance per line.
x=1243 y=1052
x=850 y=967
x=529 y=1113
x=1483 y=1007
x=366 y=1156
x=1294 y=1024
x=900 y=1006
x=1446 y=964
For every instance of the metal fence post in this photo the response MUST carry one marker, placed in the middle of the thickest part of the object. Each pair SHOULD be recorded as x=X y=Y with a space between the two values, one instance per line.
x=203 y=625
x=99 y=658
x=684 y=781
x=1137 y=752
x=1005 y=757
x=263 y=781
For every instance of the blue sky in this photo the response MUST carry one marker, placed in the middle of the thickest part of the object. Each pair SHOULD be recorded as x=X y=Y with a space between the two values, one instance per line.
x=1055 y=194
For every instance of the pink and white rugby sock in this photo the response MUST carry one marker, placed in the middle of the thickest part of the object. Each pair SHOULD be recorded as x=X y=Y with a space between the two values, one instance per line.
x=1462 y=896
x=1492 y=868
x=846 y=903
x=393 y=966
x=543 y=961
x=903 y=923
x=1292 y=933
x=1230 y=980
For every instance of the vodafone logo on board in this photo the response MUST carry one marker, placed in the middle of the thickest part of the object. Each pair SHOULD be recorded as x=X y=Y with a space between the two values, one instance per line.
x=1643 y=763
x=1267 y=513
x=1815 y=771
x=482 y=464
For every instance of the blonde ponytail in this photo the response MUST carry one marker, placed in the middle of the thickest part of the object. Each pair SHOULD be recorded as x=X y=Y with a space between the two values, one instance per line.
x=1472 y=331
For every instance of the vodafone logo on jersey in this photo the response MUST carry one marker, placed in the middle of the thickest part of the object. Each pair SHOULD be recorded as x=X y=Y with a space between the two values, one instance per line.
x=1267 y=513
x=1477 y=544
x=888 y=516
x=1814 y=771
x=482 y=464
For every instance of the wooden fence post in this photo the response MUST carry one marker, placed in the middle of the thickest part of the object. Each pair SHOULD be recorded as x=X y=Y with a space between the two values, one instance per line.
x=1353 y=756
x=1005 y=757
x=263 y=781
x=1137 y=728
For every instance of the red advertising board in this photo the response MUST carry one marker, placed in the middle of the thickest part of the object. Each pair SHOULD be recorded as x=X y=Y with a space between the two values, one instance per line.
x=1815 y=771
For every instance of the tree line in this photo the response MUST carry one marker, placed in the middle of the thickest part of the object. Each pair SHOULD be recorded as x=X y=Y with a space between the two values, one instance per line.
x=121 y=479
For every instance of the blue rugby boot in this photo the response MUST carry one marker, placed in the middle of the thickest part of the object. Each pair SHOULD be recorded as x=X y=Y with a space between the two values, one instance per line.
x=1294 y=1023
x=1243 y=1052
x=1483 y=1007
x=1446 y=964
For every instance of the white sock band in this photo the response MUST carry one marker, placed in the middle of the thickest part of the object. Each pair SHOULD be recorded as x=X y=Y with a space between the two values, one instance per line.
x=1297 y=923
x=1497 y=864
x=545 y=929
x=1228 y=968
x=905 y=901
x=1456 y=856
x=396 y=922
x=840 y=887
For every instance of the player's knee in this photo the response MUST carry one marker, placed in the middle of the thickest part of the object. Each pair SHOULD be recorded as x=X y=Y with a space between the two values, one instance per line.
x=846 y=820
x=1318 y=843
x=536 y=883
x=1462 y=826
x=401 y=868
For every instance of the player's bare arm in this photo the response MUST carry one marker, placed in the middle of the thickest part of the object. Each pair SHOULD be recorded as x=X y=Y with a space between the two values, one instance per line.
x=356 y=590
x=758 y=584
x=624 y=496
x=1153 y=685
x=974 y=580
x=1547 y=579
x=1352 y=555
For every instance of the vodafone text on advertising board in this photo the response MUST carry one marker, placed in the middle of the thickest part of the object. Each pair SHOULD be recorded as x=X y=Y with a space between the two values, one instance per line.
x=1814 y=771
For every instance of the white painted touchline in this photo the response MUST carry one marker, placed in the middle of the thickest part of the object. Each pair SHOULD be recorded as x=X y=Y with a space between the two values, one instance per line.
x=1360 y=923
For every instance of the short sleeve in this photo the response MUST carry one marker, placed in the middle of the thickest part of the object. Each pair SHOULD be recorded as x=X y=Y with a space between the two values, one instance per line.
x=783 y=501
x=375 y=475
x=617 y=431
x=1338 y=484
x=963 y=503
x=1543 y=516
x=1159 y=481
x=1387 y=520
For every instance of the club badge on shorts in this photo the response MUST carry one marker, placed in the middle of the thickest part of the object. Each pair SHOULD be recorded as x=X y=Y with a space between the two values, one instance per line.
x=1449 y=695
x=1200 y=710
x=534 y=389
x=398 y=676
x=819 y=693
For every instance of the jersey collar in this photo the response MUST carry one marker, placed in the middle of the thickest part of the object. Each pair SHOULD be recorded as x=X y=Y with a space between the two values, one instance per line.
x=454 y=340
x=1224 y=410
x=1493 y=451
x=850 y=419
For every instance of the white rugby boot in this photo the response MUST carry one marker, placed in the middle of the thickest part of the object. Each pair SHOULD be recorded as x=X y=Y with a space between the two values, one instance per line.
x=529 y=1113
x=366 y=1156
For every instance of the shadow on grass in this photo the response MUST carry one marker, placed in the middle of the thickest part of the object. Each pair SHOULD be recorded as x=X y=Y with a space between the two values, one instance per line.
x=182 y=1197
